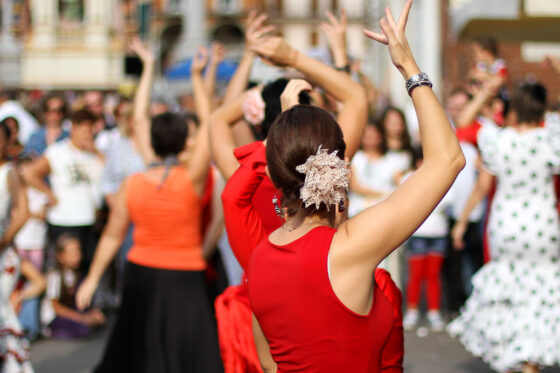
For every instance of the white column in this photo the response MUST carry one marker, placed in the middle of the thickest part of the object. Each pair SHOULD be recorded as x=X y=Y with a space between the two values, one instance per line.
x=97 y=17
x=194 y=28
x=44 y=17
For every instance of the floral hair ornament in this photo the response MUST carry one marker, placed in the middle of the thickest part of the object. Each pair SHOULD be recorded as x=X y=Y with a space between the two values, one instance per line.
x=326 y=179
x=253 y=107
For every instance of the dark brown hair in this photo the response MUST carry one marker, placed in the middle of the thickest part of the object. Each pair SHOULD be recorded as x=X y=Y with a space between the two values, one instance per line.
x=488 y=43
x=54 y=96
x=83 y=116
x=529 y=102
x=383 y=149
x=405 y=136
x=295 y=135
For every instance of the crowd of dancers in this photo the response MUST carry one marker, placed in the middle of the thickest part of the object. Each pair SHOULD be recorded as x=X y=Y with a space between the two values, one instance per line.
x=274 y=227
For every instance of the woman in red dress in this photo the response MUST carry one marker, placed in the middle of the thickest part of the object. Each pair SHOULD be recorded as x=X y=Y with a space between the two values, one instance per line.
x=310 y=283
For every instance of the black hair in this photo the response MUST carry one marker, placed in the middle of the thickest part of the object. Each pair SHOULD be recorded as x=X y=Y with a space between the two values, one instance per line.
x=417 y=155
x=273 y=108
x=169 y=133
x=5 y=129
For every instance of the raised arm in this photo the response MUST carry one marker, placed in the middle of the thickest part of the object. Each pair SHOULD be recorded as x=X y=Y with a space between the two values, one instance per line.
x=353 y=251
x=141 y=103
x=352 y=116
x=202 y=96
x=222 y=142
x=107 y=248
x=243 y=224
x=475 y=105
x=335 y=30
x=217 y=55
x=256 y=29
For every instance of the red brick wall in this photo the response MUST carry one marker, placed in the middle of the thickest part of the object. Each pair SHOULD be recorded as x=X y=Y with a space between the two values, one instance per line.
x=457 y=60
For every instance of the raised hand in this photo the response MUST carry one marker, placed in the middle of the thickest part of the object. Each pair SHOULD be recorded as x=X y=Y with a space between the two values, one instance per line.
x=335 y=30
x=217 y=53
x=275 y=50
x=393 y=35
x=199 y=60
x=553 y=62
x=256 y=28
x=141 y=50
x=290 y=95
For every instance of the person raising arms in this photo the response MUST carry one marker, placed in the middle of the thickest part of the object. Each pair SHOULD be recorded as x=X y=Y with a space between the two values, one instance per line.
x=318 y=269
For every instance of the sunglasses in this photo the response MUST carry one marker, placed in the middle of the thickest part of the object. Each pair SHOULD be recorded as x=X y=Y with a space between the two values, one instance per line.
x=55 y=110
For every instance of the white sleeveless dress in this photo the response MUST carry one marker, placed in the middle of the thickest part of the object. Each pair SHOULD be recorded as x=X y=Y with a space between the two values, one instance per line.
x=14 y=348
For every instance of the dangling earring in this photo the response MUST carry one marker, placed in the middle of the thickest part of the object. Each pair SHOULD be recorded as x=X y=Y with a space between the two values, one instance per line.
x=341 y=207
x=277 y=208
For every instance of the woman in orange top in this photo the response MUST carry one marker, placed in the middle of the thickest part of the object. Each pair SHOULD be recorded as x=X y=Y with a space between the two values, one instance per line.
x=166 y=322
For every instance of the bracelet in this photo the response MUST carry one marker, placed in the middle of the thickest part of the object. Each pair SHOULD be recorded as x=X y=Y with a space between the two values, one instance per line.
x=345 y=68
x=418 y=80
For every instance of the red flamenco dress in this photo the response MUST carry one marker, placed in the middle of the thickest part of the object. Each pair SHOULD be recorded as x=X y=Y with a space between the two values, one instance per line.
x=249 y=218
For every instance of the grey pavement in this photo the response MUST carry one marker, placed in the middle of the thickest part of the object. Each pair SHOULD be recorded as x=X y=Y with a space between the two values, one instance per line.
x=435 y=353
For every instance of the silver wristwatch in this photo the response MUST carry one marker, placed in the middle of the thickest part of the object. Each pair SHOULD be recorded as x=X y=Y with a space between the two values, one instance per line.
x=418 y=80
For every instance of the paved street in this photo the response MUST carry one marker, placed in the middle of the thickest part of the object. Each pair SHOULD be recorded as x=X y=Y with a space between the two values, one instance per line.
x=436 y=353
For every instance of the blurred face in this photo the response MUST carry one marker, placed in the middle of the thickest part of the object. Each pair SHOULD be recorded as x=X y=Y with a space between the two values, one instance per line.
x=14 y=130
x=455 y=105
x=82 y=135
x=394 y=124
x=71 y=256
x=54 y=113
x=480 y=55
x=372 y=138
x=158 y=108
x=94 y=102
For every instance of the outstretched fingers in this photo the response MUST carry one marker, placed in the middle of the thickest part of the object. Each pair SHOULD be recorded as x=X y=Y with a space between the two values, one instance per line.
x=376 y=36
x=389 y=18
x=403 y=19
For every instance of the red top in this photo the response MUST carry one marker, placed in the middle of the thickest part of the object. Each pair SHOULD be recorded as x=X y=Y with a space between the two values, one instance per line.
x=247 y=202
x=308 y=328
x=166 y=222
x=469 y=133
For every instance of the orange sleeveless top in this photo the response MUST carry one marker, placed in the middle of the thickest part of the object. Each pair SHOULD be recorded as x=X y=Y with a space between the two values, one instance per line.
x=166 y=222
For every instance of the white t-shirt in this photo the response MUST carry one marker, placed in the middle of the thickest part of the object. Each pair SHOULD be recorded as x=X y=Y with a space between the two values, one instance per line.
x=76 y=183
x=437 y=224
x=33 y=235
x=464 y=185
x=377 y=175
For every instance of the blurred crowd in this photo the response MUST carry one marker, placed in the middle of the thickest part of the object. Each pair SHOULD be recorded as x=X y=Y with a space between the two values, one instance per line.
x=65 y=155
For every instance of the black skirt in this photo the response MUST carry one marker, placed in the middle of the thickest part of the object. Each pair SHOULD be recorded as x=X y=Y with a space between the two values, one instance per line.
x=165 y=325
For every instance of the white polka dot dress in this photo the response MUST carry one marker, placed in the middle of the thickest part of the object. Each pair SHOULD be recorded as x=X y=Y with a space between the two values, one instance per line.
x=513 y=314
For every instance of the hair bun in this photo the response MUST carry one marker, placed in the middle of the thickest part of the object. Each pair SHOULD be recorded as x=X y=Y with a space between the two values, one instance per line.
x=326 y=179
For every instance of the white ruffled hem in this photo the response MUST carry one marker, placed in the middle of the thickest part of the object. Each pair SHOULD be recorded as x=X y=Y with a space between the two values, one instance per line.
x=513 y=315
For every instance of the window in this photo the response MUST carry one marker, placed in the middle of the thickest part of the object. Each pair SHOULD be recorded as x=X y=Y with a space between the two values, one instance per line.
x=71 y=11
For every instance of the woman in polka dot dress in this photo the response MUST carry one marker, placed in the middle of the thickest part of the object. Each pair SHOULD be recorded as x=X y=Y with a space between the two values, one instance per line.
x=512 y=318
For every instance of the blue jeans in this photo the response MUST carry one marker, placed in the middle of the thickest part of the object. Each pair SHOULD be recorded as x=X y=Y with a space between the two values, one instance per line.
x=29 y=317
x=422 y=246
